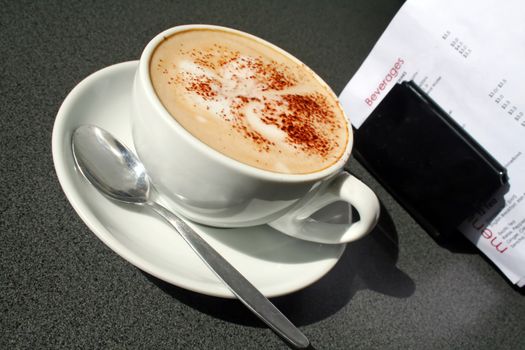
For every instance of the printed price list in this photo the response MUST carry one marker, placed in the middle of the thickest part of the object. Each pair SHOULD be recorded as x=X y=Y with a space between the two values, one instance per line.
x=497 y=94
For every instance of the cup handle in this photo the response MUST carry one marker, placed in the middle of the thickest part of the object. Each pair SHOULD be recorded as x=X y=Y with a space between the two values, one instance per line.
x=344 y=187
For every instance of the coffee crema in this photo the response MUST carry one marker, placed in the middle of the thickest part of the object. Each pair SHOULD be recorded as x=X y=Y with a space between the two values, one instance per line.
x=248 y=101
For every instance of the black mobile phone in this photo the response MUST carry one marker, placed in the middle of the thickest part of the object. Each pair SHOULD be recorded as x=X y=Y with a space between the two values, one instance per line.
x=435 y=169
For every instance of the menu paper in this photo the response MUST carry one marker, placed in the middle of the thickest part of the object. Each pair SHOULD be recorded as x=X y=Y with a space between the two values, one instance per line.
x=469 y=57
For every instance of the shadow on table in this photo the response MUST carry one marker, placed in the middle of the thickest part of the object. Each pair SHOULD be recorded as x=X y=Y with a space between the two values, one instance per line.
x=369 y=263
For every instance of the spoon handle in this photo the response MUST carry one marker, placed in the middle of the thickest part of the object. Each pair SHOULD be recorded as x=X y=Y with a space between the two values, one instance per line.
x=237 y=283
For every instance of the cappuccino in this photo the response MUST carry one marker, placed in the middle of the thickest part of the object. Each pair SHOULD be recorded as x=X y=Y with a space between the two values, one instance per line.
x=249 y=101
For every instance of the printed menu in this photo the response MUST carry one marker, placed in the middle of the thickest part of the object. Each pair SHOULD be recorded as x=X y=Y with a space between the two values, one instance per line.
x=468 y=56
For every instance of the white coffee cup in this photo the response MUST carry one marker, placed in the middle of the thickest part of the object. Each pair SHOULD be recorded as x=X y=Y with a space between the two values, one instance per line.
x=210 y=188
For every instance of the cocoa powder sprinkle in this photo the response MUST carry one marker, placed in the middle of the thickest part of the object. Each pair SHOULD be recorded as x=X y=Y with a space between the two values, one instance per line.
x=305 y=119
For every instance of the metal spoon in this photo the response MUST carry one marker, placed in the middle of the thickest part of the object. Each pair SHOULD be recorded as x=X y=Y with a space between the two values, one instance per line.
x=116 y=172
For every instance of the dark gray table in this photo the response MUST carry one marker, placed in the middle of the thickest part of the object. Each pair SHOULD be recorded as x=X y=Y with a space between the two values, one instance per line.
x=60 y=287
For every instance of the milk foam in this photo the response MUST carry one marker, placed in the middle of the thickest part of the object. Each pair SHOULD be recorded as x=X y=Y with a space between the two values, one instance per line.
x=249 y=102
x=233 y=80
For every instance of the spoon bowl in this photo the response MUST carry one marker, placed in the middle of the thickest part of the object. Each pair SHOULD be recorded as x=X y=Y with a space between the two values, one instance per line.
x=110 y=166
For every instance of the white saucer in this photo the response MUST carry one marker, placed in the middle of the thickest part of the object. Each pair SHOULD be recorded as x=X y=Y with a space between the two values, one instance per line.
x=275 y=263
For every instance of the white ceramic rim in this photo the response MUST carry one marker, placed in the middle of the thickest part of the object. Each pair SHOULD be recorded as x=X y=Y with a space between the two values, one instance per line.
x=223 y=159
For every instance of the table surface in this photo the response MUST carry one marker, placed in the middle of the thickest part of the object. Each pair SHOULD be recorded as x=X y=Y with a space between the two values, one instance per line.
x=61 y=287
